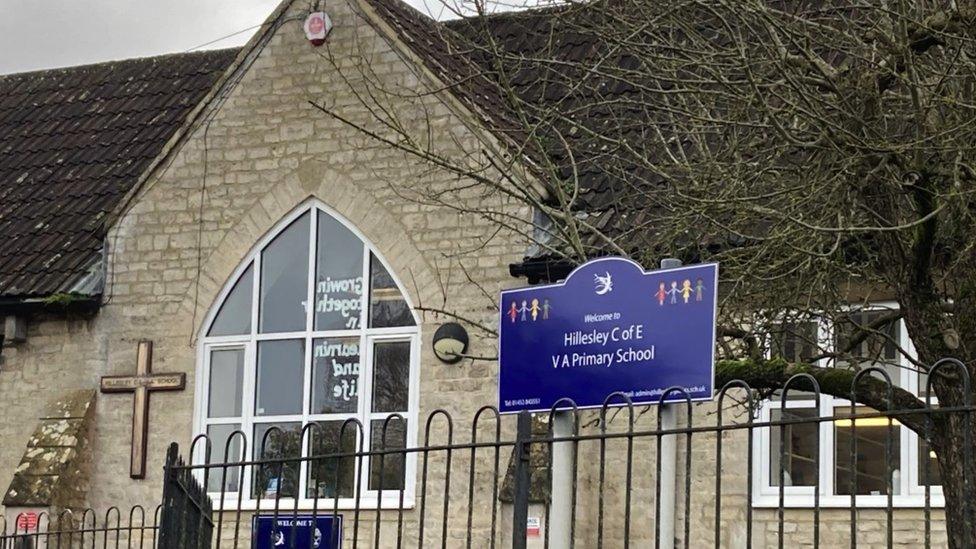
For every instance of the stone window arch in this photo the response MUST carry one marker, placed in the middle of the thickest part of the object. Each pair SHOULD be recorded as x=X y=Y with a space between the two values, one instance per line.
x=312 y=328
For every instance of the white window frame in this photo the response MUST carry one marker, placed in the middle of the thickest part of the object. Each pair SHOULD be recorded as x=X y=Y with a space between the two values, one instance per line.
x=910 y=493
x=391 y=499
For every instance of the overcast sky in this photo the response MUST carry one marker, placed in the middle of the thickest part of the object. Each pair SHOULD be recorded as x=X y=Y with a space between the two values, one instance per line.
x=40 y=34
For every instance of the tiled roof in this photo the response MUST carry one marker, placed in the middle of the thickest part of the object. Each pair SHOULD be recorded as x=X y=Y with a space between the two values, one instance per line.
x=73 y=142
x=596 y=116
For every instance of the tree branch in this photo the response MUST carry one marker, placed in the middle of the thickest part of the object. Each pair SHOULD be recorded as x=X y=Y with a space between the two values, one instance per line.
x=836 y=382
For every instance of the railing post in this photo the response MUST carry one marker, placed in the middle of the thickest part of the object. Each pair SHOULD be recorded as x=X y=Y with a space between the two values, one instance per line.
x=168 y=538
x=520 y=507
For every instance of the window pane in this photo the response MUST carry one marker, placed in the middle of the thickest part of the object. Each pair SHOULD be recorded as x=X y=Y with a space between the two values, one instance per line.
x=391 y=376
x=793 y=341
x=339 y=276
x=800 y=390
x=877 y=349
x=218 y=435
x=271 y=478
x=800 y=450
x=326 y=474
x=280 y=377
x=335 y=378
x=284 y=279
x=226 y=382
x=925 y=453
x=870 y=473
x=389 y=468
x=234 y=317
x=387 y=308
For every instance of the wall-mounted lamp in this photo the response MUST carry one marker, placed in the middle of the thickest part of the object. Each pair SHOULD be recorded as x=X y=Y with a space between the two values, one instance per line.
x=450 y=343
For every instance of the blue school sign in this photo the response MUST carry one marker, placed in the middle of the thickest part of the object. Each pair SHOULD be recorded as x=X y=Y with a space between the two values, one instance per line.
x=611 y=326
x=300 y=532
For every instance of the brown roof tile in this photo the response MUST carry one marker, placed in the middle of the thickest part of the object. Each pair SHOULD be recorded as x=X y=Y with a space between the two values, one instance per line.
x=73 y=142
x=541 y=52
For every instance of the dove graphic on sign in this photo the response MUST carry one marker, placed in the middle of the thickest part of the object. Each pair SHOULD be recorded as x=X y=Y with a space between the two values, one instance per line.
x=604 y=284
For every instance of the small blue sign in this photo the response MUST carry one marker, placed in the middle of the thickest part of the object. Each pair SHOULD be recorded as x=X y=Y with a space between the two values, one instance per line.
x=609 y=327
x=296 y=531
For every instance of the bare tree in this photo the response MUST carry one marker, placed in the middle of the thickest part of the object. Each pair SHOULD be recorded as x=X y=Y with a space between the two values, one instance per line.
x=821 y=151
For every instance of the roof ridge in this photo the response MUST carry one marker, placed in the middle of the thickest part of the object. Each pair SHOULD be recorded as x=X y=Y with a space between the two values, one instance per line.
x=533 y=11
x=124 y=61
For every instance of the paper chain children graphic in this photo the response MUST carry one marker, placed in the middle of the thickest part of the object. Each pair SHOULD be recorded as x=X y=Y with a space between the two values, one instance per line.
x=532 y=309
x=685 y=292
x=526 y=310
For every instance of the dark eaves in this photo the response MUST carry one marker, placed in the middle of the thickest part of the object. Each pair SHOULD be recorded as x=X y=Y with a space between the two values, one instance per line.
x=542 y=270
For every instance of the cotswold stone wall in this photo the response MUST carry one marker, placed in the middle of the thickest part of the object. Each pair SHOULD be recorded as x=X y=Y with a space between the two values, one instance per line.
x=266 y=152
x=908 y=524
x=59 y=357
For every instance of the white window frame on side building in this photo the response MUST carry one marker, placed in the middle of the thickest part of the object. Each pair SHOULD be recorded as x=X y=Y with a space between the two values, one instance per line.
x=908 y=490
x=247 y=416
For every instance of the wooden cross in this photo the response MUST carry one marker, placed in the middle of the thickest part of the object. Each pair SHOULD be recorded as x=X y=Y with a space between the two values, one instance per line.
x=141 y=385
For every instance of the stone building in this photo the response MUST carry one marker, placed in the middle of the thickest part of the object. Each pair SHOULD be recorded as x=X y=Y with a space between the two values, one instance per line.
x=208 y=203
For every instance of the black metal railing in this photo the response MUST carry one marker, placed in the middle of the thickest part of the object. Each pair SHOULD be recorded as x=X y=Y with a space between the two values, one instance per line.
x=494 y=488
x=187 y=512
x=137 y=528
x=599 y=470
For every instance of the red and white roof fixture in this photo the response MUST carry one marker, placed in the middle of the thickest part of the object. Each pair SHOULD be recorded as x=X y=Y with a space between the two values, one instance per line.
x=317 y=27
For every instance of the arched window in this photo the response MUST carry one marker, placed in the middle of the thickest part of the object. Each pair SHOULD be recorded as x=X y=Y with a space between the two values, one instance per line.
x=313 y=329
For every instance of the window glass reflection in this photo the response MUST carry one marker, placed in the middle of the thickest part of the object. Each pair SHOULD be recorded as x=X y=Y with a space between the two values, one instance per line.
x=276 y=441
x=221 y=453
x=387 y=472
x=280 y=377
x=226 y=383
x=338 y=276
x=387 y=307
x=284 y=279
x=335 y=378
x=869 y=472
x=234 y=317
x=329 y=477
x=793 y=341
x=878 y=349
x=391 y=376
x=800 y=448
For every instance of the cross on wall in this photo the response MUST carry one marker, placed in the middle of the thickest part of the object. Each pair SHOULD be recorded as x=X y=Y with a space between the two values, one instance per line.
x=141 y=385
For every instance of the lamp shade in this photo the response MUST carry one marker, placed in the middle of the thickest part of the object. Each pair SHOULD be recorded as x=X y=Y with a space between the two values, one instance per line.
x=450 y=343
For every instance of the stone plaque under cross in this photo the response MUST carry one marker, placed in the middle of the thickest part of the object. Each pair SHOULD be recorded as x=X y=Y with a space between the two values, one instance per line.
x=141 y=385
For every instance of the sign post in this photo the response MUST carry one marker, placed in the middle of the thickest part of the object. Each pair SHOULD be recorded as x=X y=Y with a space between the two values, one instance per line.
x=610 y=327
x=668 y=468
x=561 y=489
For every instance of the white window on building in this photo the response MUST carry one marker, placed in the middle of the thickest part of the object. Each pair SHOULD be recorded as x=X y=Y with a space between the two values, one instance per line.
x=269 y=360
x=801 y=444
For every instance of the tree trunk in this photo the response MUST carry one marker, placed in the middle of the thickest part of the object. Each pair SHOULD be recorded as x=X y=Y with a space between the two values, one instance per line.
x=956 y=464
